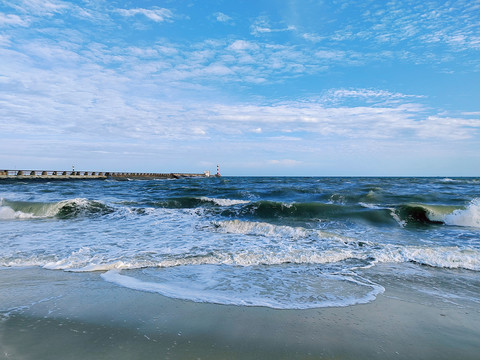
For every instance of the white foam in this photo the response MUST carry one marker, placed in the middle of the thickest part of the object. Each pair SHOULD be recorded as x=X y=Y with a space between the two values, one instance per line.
x=370 y=206
x=307 y=256
x=285 y=289
x=114 y=276
x=32 y=261
x=224 y=202
x=270 y=252
x=7 y=213
x=468 y=217
x=451 y=257
x=270 y=230
x=452 y=215
x=395 y=216
x=76 y=259
x=259 y=228
x=87 y=259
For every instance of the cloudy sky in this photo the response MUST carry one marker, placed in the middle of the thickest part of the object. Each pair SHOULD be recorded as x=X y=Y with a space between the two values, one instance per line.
x=261 y=87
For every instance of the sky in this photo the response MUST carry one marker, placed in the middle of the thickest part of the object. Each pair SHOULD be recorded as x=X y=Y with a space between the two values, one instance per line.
x=260 y=87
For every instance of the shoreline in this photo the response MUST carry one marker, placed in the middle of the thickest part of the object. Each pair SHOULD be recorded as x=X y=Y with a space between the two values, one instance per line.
x=52 y=314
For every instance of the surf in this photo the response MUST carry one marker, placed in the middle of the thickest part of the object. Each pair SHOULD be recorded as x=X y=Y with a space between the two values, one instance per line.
x=426 y=214
x=64 y=209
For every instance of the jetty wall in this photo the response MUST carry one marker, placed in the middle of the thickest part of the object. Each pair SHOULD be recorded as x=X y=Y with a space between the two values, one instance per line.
x=91 y=175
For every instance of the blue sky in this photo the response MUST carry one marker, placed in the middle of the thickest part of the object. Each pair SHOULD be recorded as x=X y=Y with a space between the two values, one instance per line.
x=259 y=87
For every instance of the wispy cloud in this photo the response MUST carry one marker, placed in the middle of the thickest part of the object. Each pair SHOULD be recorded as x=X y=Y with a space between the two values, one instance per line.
x=80 y=93
x=454 y=25
x=97 y=100
x=40 y=7
x=433 y=32
x=312 y=37
x=369 y=96
x=13 y=20
x=262 y=26
x=242 y=45
x=156 y=14
x=448 y=128
x=221 y=17
x=285 y=162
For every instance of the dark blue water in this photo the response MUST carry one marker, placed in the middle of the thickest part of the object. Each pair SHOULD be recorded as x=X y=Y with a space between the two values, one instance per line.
x=277 y=242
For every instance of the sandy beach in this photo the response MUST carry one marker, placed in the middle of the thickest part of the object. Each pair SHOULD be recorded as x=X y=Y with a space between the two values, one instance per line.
x=60 y=315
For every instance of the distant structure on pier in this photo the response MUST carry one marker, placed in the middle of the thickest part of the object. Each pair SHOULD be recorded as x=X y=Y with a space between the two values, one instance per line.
x=218 y=171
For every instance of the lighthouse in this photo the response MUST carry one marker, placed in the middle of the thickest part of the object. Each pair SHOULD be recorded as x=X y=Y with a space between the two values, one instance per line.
x=218 y=172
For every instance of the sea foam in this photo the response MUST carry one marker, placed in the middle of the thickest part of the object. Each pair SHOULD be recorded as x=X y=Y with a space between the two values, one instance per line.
x=289 y=288
x=440 y=214
x=7 y=213
x=224 y=202
x=468 y=217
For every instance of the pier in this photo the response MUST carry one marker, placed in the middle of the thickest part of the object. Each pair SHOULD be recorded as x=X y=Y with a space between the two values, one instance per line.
x=91 y=175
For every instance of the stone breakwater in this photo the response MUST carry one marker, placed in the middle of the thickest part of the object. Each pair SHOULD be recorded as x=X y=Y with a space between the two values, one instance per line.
x=90 y=175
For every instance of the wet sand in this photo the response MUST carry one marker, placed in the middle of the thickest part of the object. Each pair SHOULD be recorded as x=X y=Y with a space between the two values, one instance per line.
x=59 y=315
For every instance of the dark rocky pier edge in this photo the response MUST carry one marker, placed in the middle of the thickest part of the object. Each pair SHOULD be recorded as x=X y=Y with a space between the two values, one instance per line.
x=91 y=175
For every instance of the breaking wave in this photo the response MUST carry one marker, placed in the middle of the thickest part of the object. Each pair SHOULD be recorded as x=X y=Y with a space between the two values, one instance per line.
x=224 y=202
x=406 y=214
x=440 y=214
x=380 y=215
x=193 y=202
x=282 y=245
x=65 y=209
x=440 y=257
x=266 y=229
x=278 y=210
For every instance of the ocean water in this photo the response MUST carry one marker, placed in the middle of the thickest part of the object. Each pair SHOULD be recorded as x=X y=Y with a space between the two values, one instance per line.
x=279 y=242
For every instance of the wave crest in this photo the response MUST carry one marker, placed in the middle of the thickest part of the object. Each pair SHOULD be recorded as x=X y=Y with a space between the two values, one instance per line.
x=10 y=210
x=466 y=217
x=349 y=257
x=224 y=202
x=440 y=214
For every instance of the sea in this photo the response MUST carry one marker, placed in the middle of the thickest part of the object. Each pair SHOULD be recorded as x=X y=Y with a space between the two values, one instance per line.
x=276 y=242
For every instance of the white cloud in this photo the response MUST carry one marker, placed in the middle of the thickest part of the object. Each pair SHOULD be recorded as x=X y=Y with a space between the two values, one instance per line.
x=75 y=91
x=330 y=54
x=367 y=95
x=282 y=139
x=262 y=26
x=12 y=20
x=5 y=40
x=240 y=45
x=285 y=162
x=217 y=70
x=41 y=7
x=198 y=131
x=221 y=17
x=157 y=15
x=430 y=23
x=448 y=128
x=313 y=37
